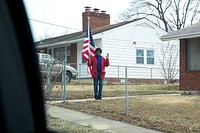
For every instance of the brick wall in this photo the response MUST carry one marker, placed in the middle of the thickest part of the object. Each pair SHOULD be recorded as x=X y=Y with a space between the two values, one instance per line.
x=97 y=19
x=73 y=56
x=189 y=80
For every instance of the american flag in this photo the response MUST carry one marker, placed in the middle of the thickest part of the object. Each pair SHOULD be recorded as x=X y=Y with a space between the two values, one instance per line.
x=88 y=47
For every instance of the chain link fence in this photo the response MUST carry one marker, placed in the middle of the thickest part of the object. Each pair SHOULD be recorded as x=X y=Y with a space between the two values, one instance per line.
x=119 y=80
x=55 y=74
x=135 y=74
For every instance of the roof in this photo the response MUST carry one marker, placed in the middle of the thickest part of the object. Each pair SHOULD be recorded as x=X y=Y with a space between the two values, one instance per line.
x=79 y=35
x=192 y=31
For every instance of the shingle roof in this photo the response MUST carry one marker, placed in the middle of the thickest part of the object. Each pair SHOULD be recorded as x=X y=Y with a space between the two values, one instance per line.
x=79 y=35
x=58 y=38
x=187 y=32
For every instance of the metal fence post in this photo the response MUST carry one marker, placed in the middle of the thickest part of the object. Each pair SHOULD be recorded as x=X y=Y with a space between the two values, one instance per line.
x=118 y=74
x=64 y=81
x=126 y=81
x=48 y=78
x=79 y=73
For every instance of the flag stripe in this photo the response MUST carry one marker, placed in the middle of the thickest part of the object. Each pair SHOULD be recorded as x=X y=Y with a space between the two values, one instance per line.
x=88 y=48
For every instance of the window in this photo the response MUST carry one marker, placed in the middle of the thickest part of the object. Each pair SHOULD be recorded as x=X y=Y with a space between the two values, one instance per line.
x=47 y=58
x=150 y=57
x=144 y=56
x=68 y=54
x=59 y=53
x=140 y=56
x=50 y=52
x=193 y=54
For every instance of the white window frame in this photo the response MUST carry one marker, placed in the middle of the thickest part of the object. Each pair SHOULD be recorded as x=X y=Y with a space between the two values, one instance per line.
x=140 y=56
x=193 y=54
x=145 y=57
x=150 y=57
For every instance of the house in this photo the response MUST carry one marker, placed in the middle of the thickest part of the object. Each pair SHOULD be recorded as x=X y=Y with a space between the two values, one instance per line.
x=189 y=55
x=135 y=44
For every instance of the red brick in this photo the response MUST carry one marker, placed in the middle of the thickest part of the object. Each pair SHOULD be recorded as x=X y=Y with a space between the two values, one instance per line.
x=73 y=56
x=189 y=80
x=97 y=19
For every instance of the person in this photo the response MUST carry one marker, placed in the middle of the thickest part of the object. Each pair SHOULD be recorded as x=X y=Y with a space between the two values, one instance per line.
x=98 y=64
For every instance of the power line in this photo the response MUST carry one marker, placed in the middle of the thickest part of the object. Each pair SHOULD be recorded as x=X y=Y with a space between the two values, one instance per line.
x=52 y=24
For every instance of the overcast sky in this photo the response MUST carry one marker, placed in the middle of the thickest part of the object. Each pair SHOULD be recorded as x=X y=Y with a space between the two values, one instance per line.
x=67 y=13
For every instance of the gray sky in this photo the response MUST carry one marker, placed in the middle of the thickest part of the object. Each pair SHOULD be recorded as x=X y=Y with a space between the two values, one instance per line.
x=67 y=13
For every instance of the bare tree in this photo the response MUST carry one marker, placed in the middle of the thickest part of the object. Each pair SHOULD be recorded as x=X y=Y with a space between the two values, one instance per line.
x=168 y=60
x=46 y=35
x=169 y=15
x=52 y=85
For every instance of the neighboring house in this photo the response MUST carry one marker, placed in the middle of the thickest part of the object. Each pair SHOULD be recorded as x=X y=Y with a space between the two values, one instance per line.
x=189 y=55
x=135 y=44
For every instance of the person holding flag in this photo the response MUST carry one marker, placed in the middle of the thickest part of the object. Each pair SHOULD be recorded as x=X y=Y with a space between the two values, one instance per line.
x=95 y=62
x=98 y=64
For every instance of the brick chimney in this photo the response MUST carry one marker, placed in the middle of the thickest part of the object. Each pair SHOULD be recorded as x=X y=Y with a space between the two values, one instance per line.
x=97 y=19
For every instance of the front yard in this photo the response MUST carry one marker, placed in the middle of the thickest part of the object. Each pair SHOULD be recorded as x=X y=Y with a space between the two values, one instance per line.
x=166 y=113
x=170 y=114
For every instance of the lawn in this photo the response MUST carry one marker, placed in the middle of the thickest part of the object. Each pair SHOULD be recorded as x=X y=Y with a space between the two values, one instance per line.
x=62 y=126
x=168 y=113
x=81 y=90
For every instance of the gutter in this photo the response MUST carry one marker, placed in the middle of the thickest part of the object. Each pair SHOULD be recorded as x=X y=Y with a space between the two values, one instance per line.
x=179 y=36
x=59 y=43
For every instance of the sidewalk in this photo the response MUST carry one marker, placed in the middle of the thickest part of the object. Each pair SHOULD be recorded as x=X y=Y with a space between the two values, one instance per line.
x=96 y=122
x=106 y=98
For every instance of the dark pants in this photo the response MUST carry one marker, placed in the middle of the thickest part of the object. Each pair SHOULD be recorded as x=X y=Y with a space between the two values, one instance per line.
x=98 y=82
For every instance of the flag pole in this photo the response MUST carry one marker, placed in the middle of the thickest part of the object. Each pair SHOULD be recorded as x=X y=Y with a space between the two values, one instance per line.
x=89 y=35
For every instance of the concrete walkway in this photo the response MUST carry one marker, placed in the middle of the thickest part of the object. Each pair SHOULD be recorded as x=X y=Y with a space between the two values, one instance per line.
x=96 y=122
x=107 y=98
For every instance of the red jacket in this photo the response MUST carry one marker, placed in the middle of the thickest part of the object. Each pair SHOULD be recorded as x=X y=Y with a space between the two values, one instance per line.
x=93 y=62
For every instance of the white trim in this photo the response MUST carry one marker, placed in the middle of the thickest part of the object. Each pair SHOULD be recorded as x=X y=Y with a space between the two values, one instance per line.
x=59 y=43
x=182 y=36
x=96 y=36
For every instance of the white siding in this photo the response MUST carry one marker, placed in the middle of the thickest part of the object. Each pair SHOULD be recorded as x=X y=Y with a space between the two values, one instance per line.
x=121 y=44
x=81 y=67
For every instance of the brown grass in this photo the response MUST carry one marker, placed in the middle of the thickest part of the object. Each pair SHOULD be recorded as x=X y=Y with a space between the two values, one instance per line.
x=62 y=126
x=84 y=91
x=170 y=114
